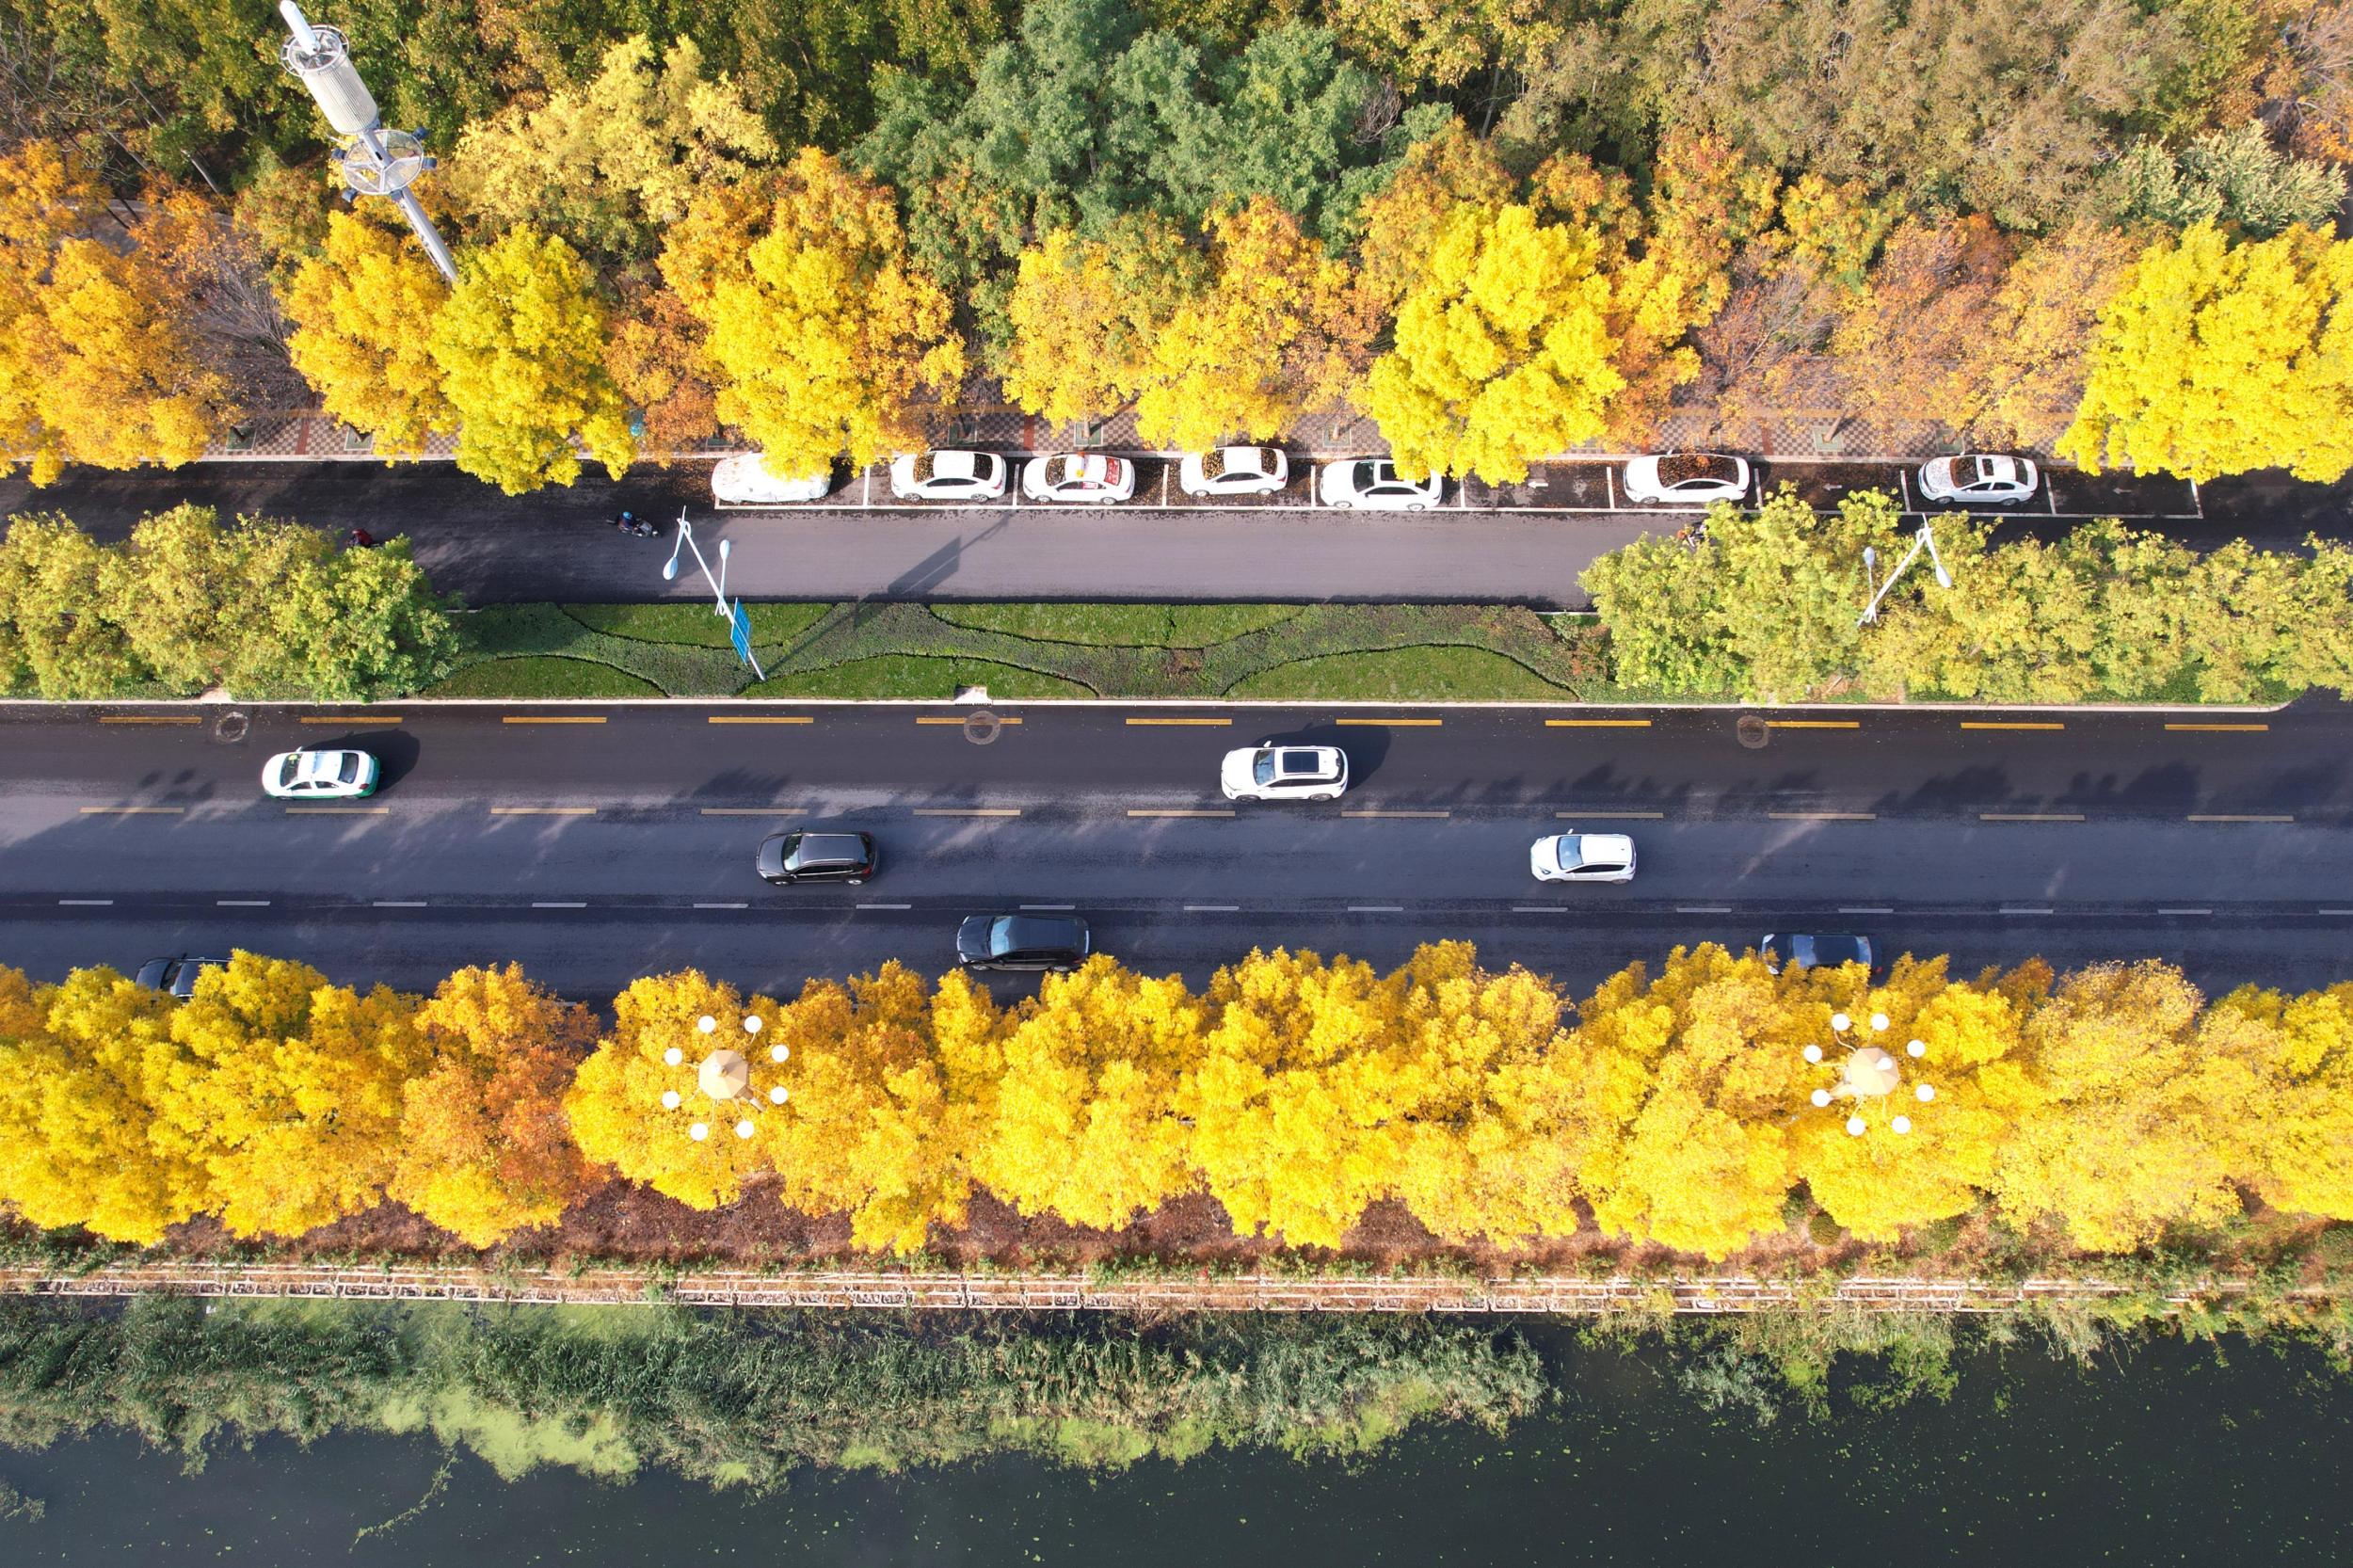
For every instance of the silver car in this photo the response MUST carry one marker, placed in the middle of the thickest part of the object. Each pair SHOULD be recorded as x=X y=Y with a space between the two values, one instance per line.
x=1979 y=479
x=1583 y=858
x=948 y=476
x=1234 y=471
x=1374 y=485
x=1687 y=478
x=319 y=775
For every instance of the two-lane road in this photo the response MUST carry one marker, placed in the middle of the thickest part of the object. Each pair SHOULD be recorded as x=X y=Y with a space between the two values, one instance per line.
x=595 y=843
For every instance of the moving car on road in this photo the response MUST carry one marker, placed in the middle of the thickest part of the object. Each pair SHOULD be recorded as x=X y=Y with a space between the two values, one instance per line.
x=177 y=974
x=1374 y=484
x=1687 y=478
x=1092 y=477
x=948 y=476
x=744 y=480
x=1025 y=943
x=1234 y=471
x=1977 y=479
x=1285 y=773
x=319 y=775
x=1583 y=858
x=785 y=858
x=1814 y=952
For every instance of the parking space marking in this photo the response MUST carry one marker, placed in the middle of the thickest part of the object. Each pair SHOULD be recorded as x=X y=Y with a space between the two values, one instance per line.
x=2030 y=816
x=1178 y=811
x=349 y=718
x=1597 y=724
x=1823 y=816
x=149 y=718
x=134 y=810
x=754 y=810
x=758 y=719
x=1213 y=724
x=1813 y=724
x=552 y=718
x=2218 y=817
x=339 y=810
x=1903 y=487
x=1612 y=816
x=1610 y=484
x=967 y=811
x=2009 y=723
x=543 y=810
x=2223 y=728
x=1390 y=724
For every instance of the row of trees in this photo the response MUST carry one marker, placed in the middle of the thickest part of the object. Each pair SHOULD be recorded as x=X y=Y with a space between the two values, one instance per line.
x=262 y=608
x=1765 y=607
x=2113 y=1104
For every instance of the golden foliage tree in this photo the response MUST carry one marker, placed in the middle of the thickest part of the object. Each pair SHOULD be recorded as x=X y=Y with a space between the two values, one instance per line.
x=1297 y=1115
x=1086 y=312
x=878 y=1123
x=819 y=328
x=1282 y=330
x=1902 y=347
x=485 y=1149
x=362 y=313
x=615 y=1104
x=287 y=1090
x=1084 y=1121
x=2021 y=372
x=521 y=344
x=2217 y=358
x=655 y=357
x=82 y=1068
x=2301 y=1130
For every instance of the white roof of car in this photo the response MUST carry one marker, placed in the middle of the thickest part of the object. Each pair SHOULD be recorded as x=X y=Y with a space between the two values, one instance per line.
x=318 y=765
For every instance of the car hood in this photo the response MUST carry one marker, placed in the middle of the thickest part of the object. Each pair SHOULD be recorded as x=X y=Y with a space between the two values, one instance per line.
x=972 y=937
x=1642 y=471
x=1235 y=772
x=771 y=861
x=1543 y=856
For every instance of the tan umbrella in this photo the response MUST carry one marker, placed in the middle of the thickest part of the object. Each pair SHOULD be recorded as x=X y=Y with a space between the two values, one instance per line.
x=724 y=1075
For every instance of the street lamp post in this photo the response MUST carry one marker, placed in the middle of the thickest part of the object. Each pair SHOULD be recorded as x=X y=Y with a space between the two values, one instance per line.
x=1924 y=539
x=1867 y=1072
x=724 y=1079
x=719 y=586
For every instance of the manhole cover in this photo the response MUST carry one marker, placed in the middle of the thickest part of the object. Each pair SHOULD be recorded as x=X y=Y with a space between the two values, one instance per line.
x=231 y=728
x=981 y=727
x=1753 y=732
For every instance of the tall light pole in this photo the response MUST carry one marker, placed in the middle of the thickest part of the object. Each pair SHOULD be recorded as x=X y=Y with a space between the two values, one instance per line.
x=740 y=627
x=375 y=162
x=1924 y=539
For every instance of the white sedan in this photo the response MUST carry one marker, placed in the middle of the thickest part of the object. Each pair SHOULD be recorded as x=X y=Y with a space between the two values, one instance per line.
x=744 y=480
x=1374 y=485
x=1087 y=477
x=1977 y=479
x=1234 y=471
x=1687 y=478
x=948 y=476
x=1285 y=773
x=319 y=775
x=1583 y=858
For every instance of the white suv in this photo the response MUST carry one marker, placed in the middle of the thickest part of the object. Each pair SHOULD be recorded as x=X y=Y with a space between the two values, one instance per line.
x=1285 y=773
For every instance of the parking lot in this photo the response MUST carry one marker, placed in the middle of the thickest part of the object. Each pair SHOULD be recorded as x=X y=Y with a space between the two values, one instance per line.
x=1589 y=486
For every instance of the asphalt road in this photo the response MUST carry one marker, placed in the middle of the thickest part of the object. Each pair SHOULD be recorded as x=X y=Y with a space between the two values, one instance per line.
x=617 y=840
x=1521 y=544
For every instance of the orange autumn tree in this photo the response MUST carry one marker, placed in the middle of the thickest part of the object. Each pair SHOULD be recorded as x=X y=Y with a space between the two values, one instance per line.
x=484 y=1148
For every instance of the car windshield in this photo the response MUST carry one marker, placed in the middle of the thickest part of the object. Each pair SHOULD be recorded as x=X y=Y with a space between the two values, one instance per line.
x=290 y=769
x=1263 y=769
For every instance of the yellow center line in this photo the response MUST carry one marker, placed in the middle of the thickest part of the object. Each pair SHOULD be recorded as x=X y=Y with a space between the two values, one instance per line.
x=1392 y=724
x=1217 y=723
x=967 y=811
x=148 y=718
x=339 y=810
x=348 y=718
x=2196 y=816
x=1597 y=724
x=1823 y=816
x=133 y=810
x=1612 y=816
x=1813 y=724
x=754 y=810
x=2030 y=816
x=758 y=719
x=2006 y=724
x=1175 y=811
x=960 y=721
x=543 y=810
x=552 y=718
x=1425 y=816
x=2223 y=729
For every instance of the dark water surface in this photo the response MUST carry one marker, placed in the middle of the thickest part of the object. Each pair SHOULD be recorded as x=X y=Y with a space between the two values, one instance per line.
x=2165 y=1453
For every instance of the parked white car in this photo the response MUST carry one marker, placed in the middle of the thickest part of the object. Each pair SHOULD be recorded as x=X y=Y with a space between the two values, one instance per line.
x=1977 y=479
x=744 y=480
x=948 y=476
x=1687 y=478
x=1234 y=470
x=1374 y=484
x=1087 y=477
x=319 y=775
x=1583 y=858
x=1285 y=773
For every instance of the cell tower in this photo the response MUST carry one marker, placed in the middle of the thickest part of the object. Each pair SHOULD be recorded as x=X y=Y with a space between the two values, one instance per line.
x=375 y=162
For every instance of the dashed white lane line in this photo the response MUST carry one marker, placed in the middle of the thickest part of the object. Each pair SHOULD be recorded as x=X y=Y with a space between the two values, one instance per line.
x=1866 y=908
x=1049 y=907
x=886 y=906
x=2025 y=909
x=1702 y=908
x=967 y=811
x=1236 y=909
x=87 y=903
x=723 y=906
x=241 y=903
x=2333 y=911
x=559 y=903
x=1540 y=909
x=1376 y=909
x=400 y=903
x=2184 y=911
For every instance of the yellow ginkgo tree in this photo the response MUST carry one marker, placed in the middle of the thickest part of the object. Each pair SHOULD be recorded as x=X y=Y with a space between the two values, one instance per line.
x=362 y=312
x=1085 y=314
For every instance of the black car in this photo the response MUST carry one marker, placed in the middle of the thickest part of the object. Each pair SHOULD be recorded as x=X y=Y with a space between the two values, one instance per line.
x=1022 y=942
x=817 y=857
x=177 y=975
x=1814 y=952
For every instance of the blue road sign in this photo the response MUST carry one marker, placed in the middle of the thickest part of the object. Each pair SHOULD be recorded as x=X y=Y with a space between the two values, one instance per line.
x=740 y=633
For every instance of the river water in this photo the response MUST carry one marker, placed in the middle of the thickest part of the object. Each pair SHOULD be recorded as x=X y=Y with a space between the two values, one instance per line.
x=2163 y=1453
